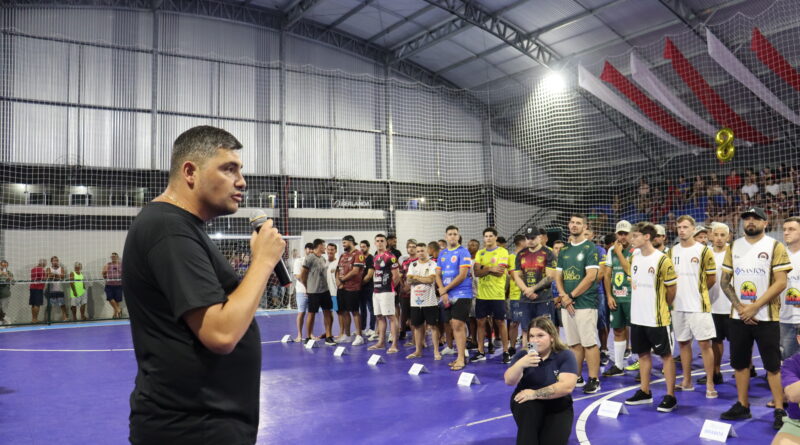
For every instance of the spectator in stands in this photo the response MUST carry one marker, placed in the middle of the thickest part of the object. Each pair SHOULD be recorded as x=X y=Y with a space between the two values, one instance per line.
x=36 y=298
x=733 y=181
x=242 y=265
x=56 y=275
x=6 y=280
x=112 y=273
x=683 y=186
x=644 y=195
x=749 y=188
x=77 y=292
x=771 y=187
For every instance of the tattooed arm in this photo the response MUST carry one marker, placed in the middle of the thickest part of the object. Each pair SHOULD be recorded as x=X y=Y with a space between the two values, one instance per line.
x=564 y=386
x=727 y=288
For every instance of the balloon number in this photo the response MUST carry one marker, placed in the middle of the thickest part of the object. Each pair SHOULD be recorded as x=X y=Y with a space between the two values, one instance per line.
x=725 y=148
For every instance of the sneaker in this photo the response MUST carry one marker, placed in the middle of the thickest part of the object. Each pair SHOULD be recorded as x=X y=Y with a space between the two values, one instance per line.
x=491 y=348
x=448 y=351
x=506 y=358
x=633 y=367
x=580 y=383
x=512 y=351
x=373 y=337
x=640 y=398
x=717 y=379
x=603 y=358
x=471 y=344
x=777 y=422
x=344 y=338
x=592 y=386
x=478 y=358
x=330 y=341
x=683 y=388
x=737 y=412
x=667 y=404
x=627 y=354
x=613 y=372
x=359 y=340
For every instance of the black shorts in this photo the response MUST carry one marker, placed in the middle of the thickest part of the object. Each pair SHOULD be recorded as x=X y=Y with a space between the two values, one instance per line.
x=427 y=314
x=721 y=322
x=36 y=298
x=348 y=300
x=490 y=308
x=645 y=338
x=766 y=334
x=459 y=310
x=405 y=306
x=322 y=300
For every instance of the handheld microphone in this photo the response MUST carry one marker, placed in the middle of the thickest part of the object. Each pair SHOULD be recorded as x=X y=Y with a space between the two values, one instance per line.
x=256 y=221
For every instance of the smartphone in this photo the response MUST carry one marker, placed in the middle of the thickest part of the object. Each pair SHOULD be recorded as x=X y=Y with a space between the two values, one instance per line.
x=532 y=349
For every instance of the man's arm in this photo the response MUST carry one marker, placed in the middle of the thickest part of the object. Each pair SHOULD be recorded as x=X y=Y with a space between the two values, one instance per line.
x=72 y=283
x=220 y=326
x=397 y=277
x=586 y=282
x=727 y=288
x=672 y=290
x=304 y=276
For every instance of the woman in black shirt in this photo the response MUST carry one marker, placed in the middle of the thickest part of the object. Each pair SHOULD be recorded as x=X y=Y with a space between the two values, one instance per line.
x=545 y=376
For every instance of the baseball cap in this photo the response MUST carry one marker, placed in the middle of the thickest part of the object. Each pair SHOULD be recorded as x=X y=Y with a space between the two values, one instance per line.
x=531 y=232
x=660 y=230
x=758 y=212
x=623 y=226
x=700 y=229
x=349 y=238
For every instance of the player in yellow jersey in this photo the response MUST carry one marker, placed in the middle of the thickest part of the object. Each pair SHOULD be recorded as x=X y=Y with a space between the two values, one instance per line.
x=491 y=264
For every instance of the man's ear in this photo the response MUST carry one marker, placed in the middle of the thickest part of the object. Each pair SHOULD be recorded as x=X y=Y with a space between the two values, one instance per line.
x=188 y=173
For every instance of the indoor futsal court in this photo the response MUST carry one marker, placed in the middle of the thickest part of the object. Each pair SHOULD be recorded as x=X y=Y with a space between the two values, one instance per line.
x=557 y=191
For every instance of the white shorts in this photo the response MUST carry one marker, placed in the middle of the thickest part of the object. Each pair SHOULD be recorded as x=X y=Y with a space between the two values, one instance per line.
x=78 y=301
x=699 y=325
x=383 y=303
x=580 y=328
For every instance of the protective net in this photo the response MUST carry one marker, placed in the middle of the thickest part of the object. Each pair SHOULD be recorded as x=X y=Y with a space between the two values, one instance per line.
x=88 y=115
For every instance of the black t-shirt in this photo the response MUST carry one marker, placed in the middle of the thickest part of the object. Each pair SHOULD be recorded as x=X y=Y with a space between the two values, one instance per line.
x=546 y=374
x=368 y=264
x=184 y=393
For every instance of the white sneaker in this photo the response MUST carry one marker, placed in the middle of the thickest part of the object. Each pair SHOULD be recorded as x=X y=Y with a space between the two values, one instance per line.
x=359 y=340
x=448 y=351
x=368 y=332
x=373 y=337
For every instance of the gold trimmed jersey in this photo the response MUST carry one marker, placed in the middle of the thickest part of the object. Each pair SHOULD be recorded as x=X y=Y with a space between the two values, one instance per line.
x=790 y=309
x=719 y=301
x=650 y=276
x=692 y=265
x=514 y=291
x=491 y=287
x=753 y=266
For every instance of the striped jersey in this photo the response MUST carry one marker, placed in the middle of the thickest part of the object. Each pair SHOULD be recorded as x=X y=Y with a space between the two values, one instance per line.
x=650 y=276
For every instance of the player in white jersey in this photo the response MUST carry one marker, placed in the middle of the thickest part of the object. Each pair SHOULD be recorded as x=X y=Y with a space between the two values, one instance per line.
x=652 y=291
x=720 y=306
x=754 y=274
x=691 y=314
x=790 y=309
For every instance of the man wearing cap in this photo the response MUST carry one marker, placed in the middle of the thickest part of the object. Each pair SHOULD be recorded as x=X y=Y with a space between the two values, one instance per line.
x=754 y=274
x=660 y=241
x=533 y=272
x=349 y=275
x=618 y=292
x=701 y=235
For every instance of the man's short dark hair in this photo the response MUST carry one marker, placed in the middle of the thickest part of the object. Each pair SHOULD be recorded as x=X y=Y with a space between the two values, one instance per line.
x=310 y=246
x=317 y=242
x=501 y=240
x=442 y=241
x=519 y=239
x=611 y=238
x=579 y=215
x=363 y=241
x=391 y=236
x=380 y=235
x=490 y=229
x=559 y=241
x=199 y=144
x=449 y=228
x=334 y=246
x=645 y=228
x=435 y=246
x=792 y=219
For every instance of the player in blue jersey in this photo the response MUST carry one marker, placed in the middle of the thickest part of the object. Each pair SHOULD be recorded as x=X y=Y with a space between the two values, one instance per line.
x=454 y=281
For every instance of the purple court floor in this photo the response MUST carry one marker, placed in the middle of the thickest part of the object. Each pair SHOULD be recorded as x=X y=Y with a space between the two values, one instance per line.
x=70 y=385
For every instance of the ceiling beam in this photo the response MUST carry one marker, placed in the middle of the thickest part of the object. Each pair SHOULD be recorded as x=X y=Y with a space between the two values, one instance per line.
x=402 y=22
x=470 y=13
x=350 y=13
x=296 y=10
x=537 y=33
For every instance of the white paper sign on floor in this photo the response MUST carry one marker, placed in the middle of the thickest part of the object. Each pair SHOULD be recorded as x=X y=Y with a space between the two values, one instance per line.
x=311 y=344
x=719 y=431
x=611 y=409
x=467 y=379
x=375 y=359
x=340 y=351
x=417 y=369
x=286 y=339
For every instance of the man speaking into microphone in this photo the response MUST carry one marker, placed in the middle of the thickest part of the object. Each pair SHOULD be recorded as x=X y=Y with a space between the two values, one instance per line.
x=197 y=346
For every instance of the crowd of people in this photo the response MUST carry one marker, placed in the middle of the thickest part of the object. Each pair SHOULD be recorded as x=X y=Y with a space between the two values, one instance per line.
x=55 y=286
x=650 y=295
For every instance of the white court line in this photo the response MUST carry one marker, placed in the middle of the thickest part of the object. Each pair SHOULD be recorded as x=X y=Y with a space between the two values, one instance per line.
x=580 y=425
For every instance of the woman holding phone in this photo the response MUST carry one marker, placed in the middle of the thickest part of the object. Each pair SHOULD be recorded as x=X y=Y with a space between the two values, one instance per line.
x=545 y=376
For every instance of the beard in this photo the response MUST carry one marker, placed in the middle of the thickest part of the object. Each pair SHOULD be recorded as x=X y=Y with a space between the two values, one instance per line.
x=754 y=231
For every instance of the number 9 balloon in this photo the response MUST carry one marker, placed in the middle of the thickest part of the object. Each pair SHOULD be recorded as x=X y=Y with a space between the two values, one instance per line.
x=725 y=148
